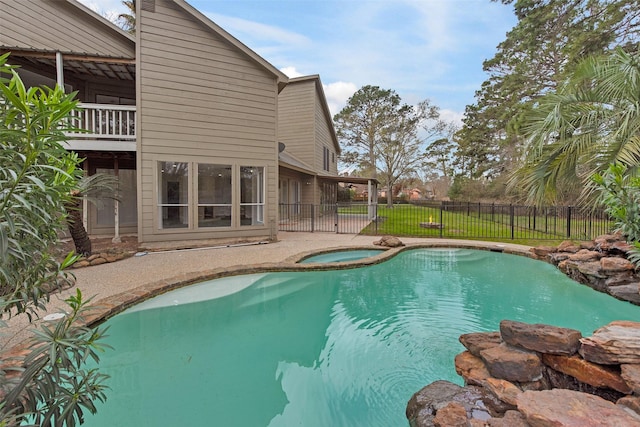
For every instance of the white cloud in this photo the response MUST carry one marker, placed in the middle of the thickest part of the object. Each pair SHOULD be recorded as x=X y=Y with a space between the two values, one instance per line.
x=249 y=31
x=337 y=94
x=452 y=116
x=110 y=9
x=291 y=72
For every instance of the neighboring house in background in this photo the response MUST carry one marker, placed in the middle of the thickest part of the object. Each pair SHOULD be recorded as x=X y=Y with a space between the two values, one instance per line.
x=186 y=116
x=414 y=194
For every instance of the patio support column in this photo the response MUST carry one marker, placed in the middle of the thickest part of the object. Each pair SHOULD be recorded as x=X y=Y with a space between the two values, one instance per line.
x=370 y=199
x=116 y=204
x=60 y=70
x=85 y=202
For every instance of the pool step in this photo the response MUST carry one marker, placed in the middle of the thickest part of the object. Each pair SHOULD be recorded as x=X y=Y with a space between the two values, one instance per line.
x=272 y=287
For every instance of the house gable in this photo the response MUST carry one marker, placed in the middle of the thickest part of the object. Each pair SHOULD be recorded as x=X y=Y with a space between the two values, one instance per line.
x=305 y=126
x=202 y=100
x=61 y=26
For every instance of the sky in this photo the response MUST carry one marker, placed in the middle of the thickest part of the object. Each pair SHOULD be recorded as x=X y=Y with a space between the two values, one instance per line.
x=422 y=49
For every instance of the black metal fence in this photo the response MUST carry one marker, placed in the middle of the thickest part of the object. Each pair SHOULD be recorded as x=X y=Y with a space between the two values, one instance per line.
x=448 y=220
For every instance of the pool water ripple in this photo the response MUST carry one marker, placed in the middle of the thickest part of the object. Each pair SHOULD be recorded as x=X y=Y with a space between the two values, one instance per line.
x=326 y=348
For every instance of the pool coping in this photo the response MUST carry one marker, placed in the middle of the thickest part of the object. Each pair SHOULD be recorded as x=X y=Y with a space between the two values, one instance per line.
x=105 y=308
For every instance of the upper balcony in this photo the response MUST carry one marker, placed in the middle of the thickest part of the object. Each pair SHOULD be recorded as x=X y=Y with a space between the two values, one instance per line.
x=107 y=128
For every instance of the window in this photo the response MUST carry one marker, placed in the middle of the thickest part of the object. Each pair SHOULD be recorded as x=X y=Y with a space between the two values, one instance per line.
x=204 y=196
x=333 y=157
x=214 y=195
x=173 y=194
x=325 y=158
x=251 y=195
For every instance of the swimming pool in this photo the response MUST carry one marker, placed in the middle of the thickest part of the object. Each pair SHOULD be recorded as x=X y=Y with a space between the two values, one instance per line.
x=342 y=256
x=325 y=348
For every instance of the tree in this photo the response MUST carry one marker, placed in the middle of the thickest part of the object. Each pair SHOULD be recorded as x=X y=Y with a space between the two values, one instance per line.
x=440 y=157
x=537 y=56
x=127 y=21
x=361 y=124
x=592 y=121
x=382 y=135
x=50 y=384
x=92 y=188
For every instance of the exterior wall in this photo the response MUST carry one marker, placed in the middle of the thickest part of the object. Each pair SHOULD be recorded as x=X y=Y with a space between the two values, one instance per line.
x=324 y=139
x=306 y=184
x=200 y=100
x=304 y=127
x=296 y=125
x=57 y=25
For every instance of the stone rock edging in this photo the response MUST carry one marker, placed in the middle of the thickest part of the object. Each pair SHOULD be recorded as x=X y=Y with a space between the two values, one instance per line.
x=101 y=258
x=538 y=375
x=601 y=264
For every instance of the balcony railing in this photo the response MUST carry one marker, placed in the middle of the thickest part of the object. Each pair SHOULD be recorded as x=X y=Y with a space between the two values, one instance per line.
x=103 y=121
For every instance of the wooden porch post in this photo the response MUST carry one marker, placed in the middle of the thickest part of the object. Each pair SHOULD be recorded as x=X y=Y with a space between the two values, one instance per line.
x=116 y=205
x=85 y=202
x=370 y=201
x=60 y=70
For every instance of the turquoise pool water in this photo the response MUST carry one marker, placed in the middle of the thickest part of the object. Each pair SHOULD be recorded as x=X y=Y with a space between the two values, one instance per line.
x=330 y=348
x=341 y=256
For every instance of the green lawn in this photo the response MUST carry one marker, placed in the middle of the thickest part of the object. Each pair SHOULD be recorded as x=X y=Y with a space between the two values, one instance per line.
x=489 y=223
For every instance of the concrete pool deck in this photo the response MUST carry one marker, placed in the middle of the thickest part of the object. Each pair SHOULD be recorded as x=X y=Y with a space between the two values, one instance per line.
x=115 y=286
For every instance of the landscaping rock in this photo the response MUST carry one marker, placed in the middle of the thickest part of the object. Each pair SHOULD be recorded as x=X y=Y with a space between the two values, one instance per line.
x=512 y=364
x=558 y=257
x=478 y=341
x=502 y=389
x=510 y=419
x=540 y=338
x=389 y=241
x=614 y=264
x=618 y=342
x=587 y=372
x=621 y=278
x=631 y=404
x=471 y=368
x=568 y=246
x=423 y=405
x=585 y=255
x=81 y=263
x=626 y=292
x=589 y=245
x=631 y=375
x=452 y=415
x=543 y=252
x=604 y=242
x=568 y=408
x=620 y=247
x=591 y=269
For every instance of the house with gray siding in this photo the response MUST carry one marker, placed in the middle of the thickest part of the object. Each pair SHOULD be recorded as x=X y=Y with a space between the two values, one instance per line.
x=207 y=138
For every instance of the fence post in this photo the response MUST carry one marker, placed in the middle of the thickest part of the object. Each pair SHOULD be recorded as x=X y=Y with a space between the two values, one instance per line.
x=568 y=222
x=313 y=217
x=441 y=223
x=511 y=220
x=336 y=220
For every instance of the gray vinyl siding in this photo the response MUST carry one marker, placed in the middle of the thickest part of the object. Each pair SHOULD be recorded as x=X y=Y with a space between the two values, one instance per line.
x=304 y=127
x=200 y=100
x=59 y=26
x=324 y=139
x=296 y=125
